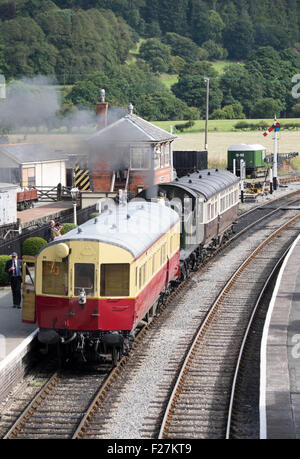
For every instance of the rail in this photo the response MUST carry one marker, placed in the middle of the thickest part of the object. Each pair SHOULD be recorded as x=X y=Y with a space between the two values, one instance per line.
x=204 y=325
x=242 y=348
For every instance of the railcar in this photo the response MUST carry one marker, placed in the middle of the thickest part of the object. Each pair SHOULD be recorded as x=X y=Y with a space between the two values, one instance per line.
x=208 y=202
x=90 y=289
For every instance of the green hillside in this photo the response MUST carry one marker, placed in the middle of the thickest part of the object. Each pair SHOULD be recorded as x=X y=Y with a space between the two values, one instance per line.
x=157 y=53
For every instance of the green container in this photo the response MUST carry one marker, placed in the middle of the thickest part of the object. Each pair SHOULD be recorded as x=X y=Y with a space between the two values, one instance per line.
x=253 y=155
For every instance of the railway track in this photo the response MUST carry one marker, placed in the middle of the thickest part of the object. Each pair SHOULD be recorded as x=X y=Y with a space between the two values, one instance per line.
x=205 y=387
x=72 y=415
x=57 y=409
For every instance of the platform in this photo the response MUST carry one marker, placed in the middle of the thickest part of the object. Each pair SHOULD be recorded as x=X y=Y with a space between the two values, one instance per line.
x=44 y=211
x=280 y=355
x=16 y=339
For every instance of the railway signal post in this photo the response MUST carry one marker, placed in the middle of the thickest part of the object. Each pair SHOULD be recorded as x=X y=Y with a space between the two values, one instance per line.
x=275 y=161
x=271 y=180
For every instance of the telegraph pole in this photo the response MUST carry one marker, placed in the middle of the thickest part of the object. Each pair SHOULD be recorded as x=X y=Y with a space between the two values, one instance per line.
x=206 y=115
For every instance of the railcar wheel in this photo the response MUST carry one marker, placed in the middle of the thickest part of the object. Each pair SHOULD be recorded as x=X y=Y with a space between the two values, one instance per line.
x=115 y=356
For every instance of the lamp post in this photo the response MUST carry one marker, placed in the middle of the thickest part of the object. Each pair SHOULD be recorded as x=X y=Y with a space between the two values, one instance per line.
x=206 y=115
x=74 y=194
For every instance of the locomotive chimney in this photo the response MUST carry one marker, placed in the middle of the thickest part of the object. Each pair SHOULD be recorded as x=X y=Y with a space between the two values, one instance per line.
x=102 y=109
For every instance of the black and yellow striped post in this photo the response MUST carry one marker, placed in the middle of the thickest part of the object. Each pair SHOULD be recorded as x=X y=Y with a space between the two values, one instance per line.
x=82 y=178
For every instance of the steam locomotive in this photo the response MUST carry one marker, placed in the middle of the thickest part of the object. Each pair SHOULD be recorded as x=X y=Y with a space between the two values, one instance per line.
x=97 y=284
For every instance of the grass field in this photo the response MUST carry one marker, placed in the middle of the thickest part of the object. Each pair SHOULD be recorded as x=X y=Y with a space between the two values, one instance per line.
x=218 y=125
x=220 y=137
x=218 y=143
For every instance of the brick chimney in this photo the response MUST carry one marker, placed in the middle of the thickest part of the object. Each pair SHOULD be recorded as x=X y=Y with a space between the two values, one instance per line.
x=102 y=109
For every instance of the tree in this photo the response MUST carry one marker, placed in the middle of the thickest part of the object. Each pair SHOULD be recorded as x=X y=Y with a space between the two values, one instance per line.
x=207 y=25
x=191 y=87
x=163 y=106
x=214 y=50
x=295 y=111
x=229 y=112
x=86 y=41
x=157 y=54
x=26 y=51
x=266 y=61
x=239 y=39
x=267 y=108
x=123 y=85
x=239 y=84
x=181 y=46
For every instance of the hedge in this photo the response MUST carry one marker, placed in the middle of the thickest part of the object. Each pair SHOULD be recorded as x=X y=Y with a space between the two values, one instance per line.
x=67 y=227
x=94 y=215
x=33 y=245
x=3 y=274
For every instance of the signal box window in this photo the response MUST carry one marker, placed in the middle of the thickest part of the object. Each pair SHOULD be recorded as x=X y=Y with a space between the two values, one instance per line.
x=115 y=279
x=55 y=278
x=140 y=158
x=84 y=278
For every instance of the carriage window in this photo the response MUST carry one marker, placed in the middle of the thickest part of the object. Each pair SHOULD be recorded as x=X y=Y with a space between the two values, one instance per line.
x=200 y=212
x=208 y=212
x=84 y=278
x=115 y=279
x=55 y=278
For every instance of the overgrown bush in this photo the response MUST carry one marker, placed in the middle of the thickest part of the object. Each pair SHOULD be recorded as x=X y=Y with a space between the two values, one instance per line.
x=263 y=125
x=3 y=274
x=33 y=245
x=67 y=227
x=183 y=127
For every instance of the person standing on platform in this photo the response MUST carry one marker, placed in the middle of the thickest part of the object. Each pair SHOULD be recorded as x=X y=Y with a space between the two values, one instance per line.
x=56 y=230
x=48 y=231
x=13 y=268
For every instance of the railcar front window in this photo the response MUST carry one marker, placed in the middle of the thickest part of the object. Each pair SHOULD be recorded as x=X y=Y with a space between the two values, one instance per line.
x=55 y=278
x=115 y=279
x=84 y=278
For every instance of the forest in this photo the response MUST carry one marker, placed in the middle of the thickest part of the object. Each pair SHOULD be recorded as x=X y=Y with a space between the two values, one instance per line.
x=126 y=46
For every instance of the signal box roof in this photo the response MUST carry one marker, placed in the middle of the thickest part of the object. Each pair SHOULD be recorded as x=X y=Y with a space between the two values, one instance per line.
x=130 y=129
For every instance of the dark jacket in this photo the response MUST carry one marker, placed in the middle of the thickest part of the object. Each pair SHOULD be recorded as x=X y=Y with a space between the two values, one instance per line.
x=48 y=234
x=9 y=265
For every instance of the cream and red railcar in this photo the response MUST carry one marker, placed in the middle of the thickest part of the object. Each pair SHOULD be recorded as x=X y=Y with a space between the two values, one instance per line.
x=94 y=285
x=208 y=202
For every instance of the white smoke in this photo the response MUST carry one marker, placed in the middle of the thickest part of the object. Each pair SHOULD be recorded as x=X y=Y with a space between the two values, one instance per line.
x=36 y=102
x=30 y=102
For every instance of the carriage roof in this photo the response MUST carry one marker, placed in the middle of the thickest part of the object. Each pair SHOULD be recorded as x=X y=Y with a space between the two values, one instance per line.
x=208 y=182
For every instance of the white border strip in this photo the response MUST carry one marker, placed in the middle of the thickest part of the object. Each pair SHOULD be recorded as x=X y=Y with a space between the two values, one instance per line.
x=18 y=350
x=263 y=350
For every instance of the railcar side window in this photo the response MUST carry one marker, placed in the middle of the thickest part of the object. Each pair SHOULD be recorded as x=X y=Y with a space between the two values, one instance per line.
x=55 y=278
x=115 y=279
x=84 y=278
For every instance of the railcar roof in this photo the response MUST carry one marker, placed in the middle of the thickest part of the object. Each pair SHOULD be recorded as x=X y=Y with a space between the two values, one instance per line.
x=207 y=182
x=133 y=227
